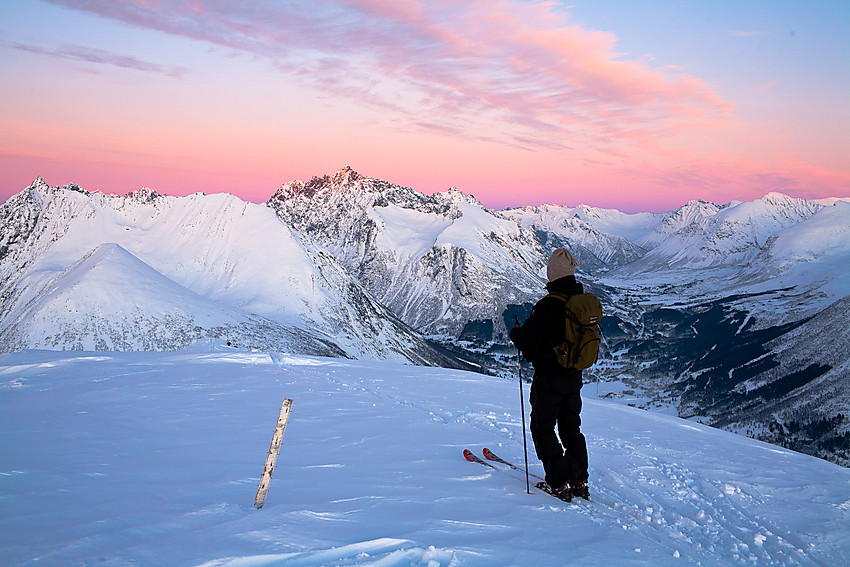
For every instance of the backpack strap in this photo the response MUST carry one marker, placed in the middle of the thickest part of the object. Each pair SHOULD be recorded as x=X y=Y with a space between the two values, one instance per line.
x=567 y=313
x=565 y=298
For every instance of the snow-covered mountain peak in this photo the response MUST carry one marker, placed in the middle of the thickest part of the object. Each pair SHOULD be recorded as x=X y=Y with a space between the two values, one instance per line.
x=115 y=301
x=455 y=196
x=418 y=254
x=774 y=206
x=346 y=176
x=818 y=246
x=777 y=197
x=144 y=195
x=237 y=257
x=348 y=190
x=40 y=192
x=674 y=221
x=39 y=185
x=698 y=208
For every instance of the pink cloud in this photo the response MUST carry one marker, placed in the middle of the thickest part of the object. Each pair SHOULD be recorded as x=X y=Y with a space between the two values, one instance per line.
x=497 y=70
x=92 y=55
x=525 y=58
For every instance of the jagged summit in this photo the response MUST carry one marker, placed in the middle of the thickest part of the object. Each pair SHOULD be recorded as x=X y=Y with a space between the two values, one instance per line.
x=39 y=189
x=437 y=261
x=348 y=187
x=346 y=175
x=39 y=184
x=145 y=195
x=345 y=178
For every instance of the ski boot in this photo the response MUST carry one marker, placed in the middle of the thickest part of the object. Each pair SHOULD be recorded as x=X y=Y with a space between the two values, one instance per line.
x=580 y=491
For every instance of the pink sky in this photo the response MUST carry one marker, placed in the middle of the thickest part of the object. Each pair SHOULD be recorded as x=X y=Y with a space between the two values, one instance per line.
x=516 y=102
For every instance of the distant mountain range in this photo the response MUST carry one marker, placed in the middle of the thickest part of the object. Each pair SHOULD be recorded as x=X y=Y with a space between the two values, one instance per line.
x=731 y=314
x=87 y=271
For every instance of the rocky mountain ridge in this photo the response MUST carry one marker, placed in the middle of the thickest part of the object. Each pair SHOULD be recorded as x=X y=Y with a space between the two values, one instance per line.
x=438 y=262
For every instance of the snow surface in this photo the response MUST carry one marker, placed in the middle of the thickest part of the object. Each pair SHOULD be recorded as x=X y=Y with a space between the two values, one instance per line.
x=173 y=235
x=153 y=458
x=409 y=233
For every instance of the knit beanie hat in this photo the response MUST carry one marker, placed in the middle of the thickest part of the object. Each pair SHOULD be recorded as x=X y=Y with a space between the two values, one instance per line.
x=561 y=263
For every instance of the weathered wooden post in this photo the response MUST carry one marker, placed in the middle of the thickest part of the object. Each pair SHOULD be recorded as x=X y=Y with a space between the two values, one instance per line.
x=274 y=449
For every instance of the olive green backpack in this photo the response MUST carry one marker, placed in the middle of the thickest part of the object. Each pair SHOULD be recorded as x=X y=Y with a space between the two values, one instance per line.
x=580 y=348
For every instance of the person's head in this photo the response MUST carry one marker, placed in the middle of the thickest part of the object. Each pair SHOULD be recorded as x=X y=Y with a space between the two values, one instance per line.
x=561 y=263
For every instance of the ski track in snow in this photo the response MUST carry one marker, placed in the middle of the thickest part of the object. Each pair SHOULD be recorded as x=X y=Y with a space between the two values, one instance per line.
x=154 y=459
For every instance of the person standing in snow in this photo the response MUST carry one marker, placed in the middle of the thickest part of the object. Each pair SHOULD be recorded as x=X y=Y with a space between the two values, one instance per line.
x=555 y=390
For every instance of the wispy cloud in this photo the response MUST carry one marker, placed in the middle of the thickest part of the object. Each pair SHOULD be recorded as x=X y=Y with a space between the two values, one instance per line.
x=93 y=55
x=494 y=69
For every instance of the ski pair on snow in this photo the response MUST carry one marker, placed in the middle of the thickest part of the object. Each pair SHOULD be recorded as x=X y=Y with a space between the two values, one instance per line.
x=491 y=456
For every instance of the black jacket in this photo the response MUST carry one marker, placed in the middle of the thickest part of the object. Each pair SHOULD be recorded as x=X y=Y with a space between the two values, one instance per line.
x=544 y=329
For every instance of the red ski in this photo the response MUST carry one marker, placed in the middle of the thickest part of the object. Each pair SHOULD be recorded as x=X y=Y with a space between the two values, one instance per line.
x=490 y=455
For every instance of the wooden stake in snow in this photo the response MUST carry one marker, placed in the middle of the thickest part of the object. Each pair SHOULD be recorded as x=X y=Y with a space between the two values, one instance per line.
x=274 y=449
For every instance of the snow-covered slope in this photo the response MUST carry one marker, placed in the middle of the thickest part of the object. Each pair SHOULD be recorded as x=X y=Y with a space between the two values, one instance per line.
x=697 y=235
x=231 y=269
x=595 y=236
x=732 y=236
x=111 y=300
x=438 y=262
x=679 y=219
x=151 y=458
x=815 y=251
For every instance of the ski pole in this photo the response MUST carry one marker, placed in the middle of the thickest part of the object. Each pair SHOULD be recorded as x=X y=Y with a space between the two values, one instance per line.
x=522 y=408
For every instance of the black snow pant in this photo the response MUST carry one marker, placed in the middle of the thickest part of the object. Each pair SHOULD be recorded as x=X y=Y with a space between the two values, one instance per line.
x=555 y=404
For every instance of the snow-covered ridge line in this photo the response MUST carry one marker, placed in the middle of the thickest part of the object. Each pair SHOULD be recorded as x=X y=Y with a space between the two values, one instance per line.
x=437 y=261
x=229 y=268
